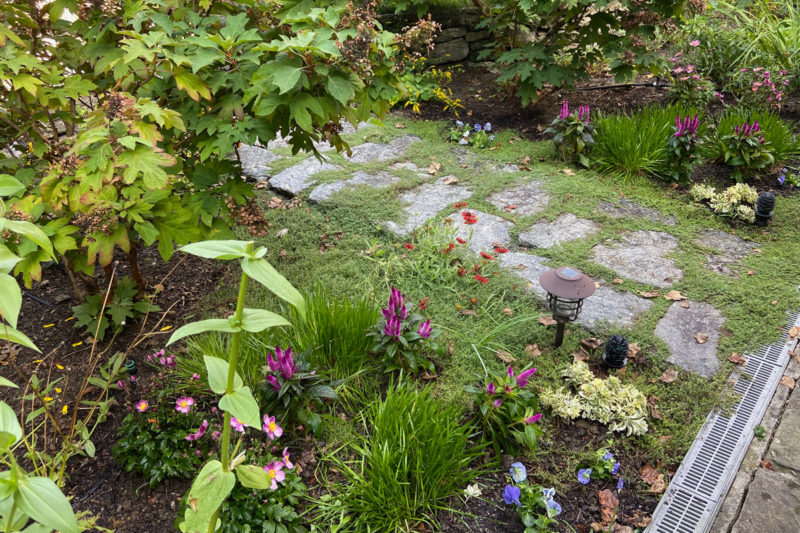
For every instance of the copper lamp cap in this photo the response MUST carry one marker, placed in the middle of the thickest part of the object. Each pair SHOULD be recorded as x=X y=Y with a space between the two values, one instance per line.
x=567 y=282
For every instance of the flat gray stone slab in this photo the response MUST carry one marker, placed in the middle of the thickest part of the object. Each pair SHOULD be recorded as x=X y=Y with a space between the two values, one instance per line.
x=624 y=208
x=323 y=146
x=296 y=179
x=256 y=161
x=677 y=328
x=566 y=227
x=425 y=202
x=528 y=267
x=364 y=153
x=640 y=257
x=785 y=449
x=378 y=181
x=772 y=504
x=733 y=249
x=483 y=235
x=612 y=308
x=524 y=200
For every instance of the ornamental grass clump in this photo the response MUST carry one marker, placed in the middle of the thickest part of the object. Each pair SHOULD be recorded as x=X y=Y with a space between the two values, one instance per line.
x=573 y=133
x=608 y=401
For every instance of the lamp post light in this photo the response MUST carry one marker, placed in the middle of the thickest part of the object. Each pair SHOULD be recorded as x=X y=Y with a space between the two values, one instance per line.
x=566 y=288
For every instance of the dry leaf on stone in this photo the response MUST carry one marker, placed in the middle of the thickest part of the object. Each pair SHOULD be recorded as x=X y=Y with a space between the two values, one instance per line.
x=669 y=376
x=547 y=321
x=434 y=168
x=450 y=180
x=619 y=281
x=505 y=356
x=767 y=465
x=794 y=332
x=580 y=355
x=568 y=171
x=788 y=382
x=686 y=305
x=701 y=338
x=533 y=350
x=591 y=343
x=608 y=505
x=650 y=294
x=635 y=353
x=399 y=125
x=737 y=359
x=675 y=296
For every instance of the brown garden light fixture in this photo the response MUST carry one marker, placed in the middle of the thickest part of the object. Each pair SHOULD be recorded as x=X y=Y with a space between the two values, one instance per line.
x=566 y=289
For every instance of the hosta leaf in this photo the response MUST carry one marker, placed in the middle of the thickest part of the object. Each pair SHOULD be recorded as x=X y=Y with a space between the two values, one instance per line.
x=209 y=490
x=218 y=374
x=261 y=271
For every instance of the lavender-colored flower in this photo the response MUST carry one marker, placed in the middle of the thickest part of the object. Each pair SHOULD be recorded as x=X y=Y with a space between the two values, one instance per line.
x=608 y=456
x=584 y=476
x=615 y=468
x=477 y=127
x=782 y=176
x=490 y=388
x=522 y=379
x=620 y=483
x=564 y=114
x=487 y=126
x=392 y=328
x=498 y=402
x=518 y=472
x=511 y=495
x=424 y=330
x=459 y=123
x=238 y=426
x=463 y=141
x=272 y=363
x=548 y=494
x=491 y=137
x=553 y=506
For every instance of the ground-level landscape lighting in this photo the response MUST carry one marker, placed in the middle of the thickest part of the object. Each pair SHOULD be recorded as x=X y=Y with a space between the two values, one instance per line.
x=566 y=288
x=764 y=207
x=615 y=354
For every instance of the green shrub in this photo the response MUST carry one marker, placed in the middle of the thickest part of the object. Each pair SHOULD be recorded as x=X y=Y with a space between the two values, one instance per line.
x=783 y=143
x=635 y=144
x=418 y=456
x=737 y=202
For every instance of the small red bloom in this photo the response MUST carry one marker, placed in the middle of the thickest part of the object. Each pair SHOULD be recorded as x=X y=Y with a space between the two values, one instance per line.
x=459 y=205
x=487 y=256
x=448 y=248
x=423 y=304
x=408 y=246
x=462 y=271
x=460 y=240
x=500 y=250
x=481 y=278
x=469 y=218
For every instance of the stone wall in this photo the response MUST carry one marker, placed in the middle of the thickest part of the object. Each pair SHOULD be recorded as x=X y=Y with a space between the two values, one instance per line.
x=460 y=39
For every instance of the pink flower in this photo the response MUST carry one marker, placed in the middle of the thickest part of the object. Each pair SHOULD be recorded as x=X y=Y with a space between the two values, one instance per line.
x=498 y=402
x=120 y=384
x=199 y=433
x=272 y=380
x=184 y=404
x=490 y=388
x=533 y=419
x=215 y=435
x=142 y=406
x=744 y=69
x=684 y=78
x=286 y=460
x=238 y=426
x=195 y=376
x=522 y=379
x=510 y=371
x=689 y=69
x=696 y=42
x=272 y=429
x=678 y=70
x=275 y=473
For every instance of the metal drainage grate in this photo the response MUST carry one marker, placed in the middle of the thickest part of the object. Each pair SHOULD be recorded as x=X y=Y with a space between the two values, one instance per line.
x=692 y=500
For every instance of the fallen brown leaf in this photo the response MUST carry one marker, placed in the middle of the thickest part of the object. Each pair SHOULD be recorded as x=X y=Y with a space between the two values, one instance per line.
x=659 y=486
x=617 y=528
x=568 y=171
x=654 y=412
x=794 y=332
x=674 y=185
x=469 y=312
x=701 y=338
x=533 y=350
x=510 y=207
x=451 y=346
x=508 y=312
x=750 y=272
x=669 y=376
x=675 y=296
x=525 y=160
x=547 y=321
x=428 y=376
x=665 y=438
x=635 y=353
x=450 y=180
x=580 y=355
x=774 y=302
x=686 y=305
x=505 y=356
x=788 y=382
x=767 y=465
x=619 y=281
x=399 y=125
x=648 y=473
x=737 y=359
x=650 y=294
x=591 y=343
x=434 y=168
x=608 y=505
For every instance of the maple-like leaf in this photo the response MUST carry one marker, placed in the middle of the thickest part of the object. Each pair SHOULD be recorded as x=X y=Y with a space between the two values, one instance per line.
x=737 y=359
x=675 y=296
x=547 y=321
x=147 y=162
x=434 y=168
x=533 y=350
x=701 y=338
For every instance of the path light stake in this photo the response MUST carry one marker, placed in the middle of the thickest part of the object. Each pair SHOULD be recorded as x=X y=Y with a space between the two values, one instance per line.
x=615 y=354
x=764 y=206
x=566 y=288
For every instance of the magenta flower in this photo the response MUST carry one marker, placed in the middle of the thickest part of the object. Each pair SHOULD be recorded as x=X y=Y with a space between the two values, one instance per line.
x=238 y=426
x=510 y=372
x=498 y=402
x=195 y=376
x=271 y=428
x=286 y=460
x=142 y=406
x=533 y=419
x=490 y=388
x=275 y=473
x=522 y=379
x=184 y=404
x=272 y=380
x=584 y=113
x=696 y=42
x=424 y=330
x=120 y=384
x=286 y=362
x=215 y=435
x=272 y=363
x=393 y=327
x=199 y=433
x=564 y=111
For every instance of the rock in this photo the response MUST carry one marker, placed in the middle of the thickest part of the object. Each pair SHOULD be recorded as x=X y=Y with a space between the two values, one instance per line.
x=785 y=449
x=425 y=202
x=677 y=328
x=449 y=34
x=364 y=153
x=63 y=297
x=449 y=52
x=610 y=308
x=378 y=181
x=480 y=35
x=475 y=49
x=772 y=504
x=406 y=165
x=625 y=208
x=734 y=250
x=488 y=230
x=528 y=267
x=296 y=179
x=640 y=257
x=524 y=200
x=255 y=161
x=565 y=228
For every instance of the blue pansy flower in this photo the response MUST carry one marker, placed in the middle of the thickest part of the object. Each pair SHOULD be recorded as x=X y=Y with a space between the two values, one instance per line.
x=615 y=468
x=608 y=456
x=459 y=123
x=548 y=494
x=518 y=472
x=477 y=127
x=488 y=126
x=620 y=483
x=511 y=495
x=585 y=476
x=553 y=508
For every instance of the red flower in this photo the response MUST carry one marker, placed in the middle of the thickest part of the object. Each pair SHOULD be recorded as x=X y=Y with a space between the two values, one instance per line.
x=423 y=304
x=460 y=240
x=448 y=248
x=469 y=218
x=462 y=271
x=481 y=278
x=459 y=205
x=500 y=250
x=408 y=246
x=487 y=256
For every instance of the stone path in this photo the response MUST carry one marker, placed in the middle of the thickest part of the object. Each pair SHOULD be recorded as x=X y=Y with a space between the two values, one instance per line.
x=680 y=327
x=733 y=249
x=425 y=202
x=567 y=227
x=640 y=257
x=625 y=208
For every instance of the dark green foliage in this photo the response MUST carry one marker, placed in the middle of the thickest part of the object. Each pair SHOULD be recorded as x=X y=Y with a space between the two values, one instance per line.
x=122 y=307
x=783 y=143
x=255 y=511
x=573 y=135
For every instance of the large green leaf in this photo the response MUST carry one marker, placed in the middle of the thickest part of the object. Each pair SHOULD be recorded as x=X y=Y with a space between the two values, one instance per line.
x=340 y=88
x=5 y=382
x=7 y=259
x=286 y=76
x=261 y=271
x=253 y=477
x=201 y=326
x=9 y=422
x=218 y=375
x=41 y=499
x=255 y=320
x=243 y=406
x=193 y=84
x=148 y=162
x=10 y=299
x=218 y=249
x=29 y=230
x=17 y=337
x=9 y=185
x=209 y=490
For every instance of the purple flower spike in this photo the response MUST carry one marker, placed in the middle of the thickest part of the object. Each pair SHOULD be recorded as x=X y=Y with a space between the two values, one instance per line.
x=272 y=380
x=564 y=111
x=424 y=330
x=510 y=371
x=286 y=362
x=490 y=388
x=392 y=328
x=522 y=379
x=273 y=365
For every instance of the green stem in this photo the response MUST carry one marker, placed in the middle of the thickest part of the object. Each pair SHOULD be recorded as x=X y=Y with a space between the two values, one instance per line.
x=11 y=516
x=235 y=346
